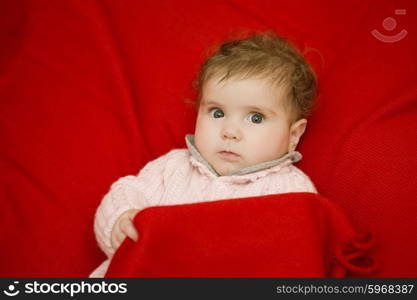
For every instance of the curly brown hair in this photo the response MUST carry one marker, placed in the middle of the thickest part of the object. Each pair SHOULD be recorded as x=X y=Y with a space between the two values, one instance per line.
x=267 y=56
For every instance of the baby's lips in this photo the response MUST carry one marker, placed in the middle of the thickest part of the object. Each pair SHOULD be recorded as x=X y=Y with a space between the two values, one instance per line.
x=228 y=156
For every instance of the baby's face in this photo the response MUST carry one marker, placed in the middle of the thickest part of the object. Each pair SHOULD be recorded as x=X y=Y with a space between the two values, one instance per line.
x=241 y=123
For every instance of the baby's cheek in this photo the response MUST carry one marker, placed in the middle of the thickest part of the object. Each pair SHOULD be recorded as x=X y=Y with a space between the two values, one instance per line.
x=269 y=145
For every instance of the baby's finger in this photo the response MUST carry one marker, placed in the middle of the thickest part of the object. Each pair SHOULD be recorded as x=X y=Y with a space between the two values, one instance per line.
x=114 y=241
x=129 y=229
x=117 y=238
x=132 y=233
x=132 y=213
x=120 y=238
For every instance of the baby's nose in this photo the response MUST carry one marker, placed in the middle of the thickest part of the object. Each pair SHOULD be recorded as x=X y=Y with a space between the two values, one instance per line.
x=231 y=133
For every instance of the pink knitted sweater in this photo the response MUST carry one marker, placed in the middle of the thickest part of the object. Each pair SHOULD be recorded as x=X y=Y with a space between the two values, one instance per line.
x=183 y=176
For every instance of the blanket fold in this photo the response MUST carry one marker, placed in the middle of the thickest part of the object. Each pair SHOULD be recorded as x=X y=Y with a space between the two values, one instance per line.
x=287 y=235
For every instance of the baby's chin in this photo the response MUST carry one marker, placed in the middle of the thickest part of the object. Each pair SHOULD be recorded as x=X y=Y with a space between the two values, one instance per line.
x=225 y=169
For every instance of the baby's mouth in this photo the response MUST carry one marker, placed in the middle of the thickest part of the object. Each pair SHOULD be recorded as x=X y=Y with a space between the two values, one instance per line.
x=228 y=156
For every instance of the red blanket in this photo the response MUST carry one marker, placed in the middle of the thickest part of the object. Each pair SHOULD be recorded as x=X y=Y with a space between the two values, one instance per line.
x=288 y=235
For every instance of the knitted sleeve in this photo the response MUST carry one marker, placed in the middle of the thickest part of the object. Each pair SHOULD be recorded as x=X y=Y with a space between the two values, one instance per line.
x=129 y=192
x=300 y=182
x=290 y=180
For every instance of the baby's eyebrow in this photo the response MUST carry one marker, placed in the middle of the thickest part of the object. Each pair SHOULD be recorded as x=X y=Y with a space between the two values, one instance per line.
x=210 y=102
x=261 y=109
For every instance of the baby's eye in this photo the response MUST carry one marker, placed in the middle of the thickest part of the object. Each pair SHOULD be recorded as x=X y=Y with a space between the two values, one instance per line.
x=256 y=118
x=216 y=113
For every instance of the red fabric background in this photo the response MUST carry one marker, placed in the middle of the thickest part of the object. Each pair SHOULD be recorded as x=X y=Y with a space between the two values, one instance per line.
x=92 y=90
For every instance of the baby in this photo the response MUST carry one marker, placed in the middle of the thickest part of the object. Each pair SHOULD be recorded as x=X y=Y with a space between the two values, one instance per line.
x=254 y=95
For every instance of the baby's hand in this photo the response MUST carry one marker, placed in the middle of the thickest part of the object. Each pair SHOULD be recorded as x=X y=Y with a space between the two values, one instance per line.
x=124 y=227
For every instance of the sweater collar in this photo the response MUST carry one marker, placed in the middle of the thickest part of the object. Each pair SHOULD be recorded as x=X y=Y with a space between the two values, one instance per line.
x=289 y=158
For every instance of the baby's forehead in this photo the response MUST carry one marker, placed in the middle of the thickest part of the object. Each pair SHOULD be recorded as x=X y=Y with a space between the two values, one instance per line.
x=255 y=85
x=249 y=91
x=273 y=76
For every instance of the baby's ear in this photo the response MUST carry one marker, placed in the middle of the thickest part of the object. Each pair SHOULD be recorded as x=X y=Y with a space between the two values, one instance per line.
x=296 y=131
